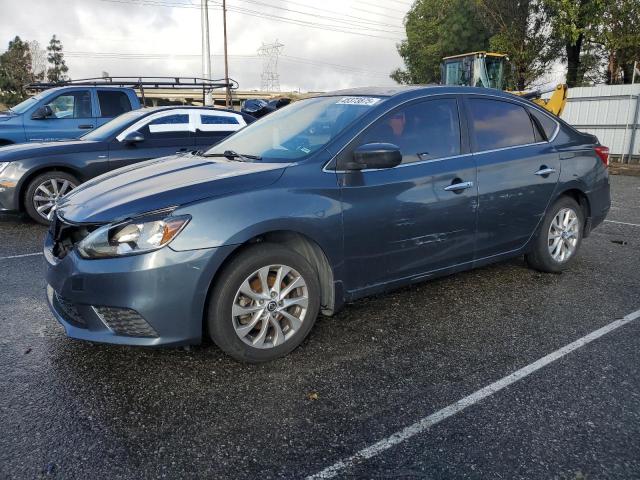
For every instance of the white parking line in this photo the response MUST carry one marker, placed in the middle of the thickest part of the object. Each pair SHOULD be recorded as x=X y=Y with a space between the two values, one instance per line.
x=437 y=417
x=623 y=223
x=21 y=256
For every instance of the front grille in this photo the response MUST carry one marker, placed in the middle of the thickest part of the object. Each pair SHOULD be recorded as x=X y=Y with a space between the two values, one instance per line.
x=70 y=312
x=124 y=321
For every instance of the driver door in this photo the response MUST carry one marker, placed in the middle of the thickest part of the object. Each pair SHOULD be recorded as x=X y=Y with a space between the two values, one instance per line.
x=72 y=117
x=168 y=133
x=404 y=222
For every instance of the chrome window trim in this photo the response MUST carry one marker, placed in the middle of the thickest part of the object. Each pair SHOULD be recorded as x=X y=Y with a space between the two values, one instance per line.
x=510 y=147
x=419 y=162
x=512 y=100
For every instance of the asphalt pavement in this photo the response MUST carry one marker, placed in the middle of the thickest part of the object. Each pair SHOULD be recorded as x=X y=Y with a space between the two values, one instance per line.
x=72 y=409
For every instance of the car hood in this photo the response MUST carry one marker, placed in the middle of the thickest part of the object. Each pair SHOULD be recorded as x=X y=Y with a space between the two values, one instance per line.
x=36 y=149
x=5 y=116
x=162 y=183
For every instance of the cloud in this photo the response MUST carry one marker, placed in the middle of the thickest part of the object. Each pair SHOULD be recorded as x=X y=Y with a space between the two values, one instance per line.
x=129 y=38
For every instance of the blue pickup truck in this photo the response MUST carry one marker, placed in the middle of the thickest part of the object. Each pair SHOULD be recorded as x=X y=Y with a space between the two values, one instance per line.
x=64 y=113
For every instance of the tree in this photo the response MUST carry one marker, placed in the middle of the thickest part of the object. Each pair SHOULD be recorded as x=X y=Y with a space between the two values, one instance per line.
x=436 y=29
x=521 y=31
x=38 y=60
x=58 y=70
x=15 y=72
x=577 y=23
x=620 y=39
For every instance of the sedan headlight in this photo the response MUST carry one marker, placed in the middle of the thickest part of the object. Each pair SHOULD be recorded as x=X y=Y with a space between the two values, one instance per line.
x=131 y=237
x=3 y=165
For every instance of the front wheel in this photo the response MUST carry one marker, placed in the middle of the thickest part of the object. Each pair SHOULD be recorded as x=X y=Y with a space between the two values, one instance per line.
x=264 y=303
x=44 y=191
x=559 y=238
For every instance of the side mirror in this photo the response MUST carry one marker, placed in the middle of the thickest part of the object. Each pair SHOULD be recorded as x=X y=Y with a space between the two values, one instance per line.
x=133 y=138
x=42 y=113
x=375 y=155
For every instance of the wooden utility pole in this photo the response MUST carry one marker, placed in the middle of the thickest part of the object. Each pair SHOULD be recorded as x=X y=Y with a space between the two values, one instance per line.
x=226 y=60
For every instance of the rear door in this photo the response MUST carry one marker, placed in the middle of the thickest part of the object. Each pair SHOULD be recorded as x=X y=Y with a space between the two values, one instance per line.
x=518 y=170
x=72 y=116
x=420 y=216
x=214 y=125
x=165 y=133
x=112 y=103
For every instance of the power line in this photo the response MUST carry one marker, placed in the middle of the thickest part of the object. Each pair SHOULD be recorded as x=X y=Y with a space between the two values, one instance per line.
x=254 y=13
x=359 y=18
x=385 y=7
x=358 y=22
x=161 y=56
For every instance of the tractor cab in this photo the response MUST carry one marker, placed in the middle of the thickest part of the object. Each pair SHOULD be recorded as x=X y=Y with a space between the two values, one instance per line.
x=476 y=69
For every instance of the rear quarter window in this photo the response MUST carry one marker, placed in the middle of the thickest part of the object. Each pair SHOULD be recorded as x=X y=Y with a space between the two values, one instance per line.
x=545 y=122
x=497 y=124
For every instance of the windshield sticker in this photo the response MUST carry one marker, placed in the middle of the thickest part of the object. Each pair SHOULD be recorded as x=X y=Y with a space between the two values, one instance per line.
x=366 y=101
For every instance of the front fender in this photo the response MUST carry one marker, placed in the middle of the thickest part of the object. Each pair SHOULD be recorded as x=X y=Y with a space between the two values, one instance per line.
x=12 y=131
x=314 y=211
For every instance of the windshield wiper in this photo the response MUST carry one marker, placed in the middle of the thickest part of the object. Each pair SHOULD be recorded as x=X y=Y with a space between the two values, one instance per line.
x=231 y=155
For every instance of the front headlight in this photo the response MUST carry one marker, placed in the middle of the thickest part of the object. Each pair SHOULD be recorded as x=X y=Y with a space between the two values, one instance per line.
x=131 y=237
x=3 y=165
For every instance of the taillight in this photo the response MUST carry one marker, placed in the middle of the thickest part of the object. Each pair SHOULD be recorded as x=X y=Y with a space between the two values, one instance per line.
x=603 y=153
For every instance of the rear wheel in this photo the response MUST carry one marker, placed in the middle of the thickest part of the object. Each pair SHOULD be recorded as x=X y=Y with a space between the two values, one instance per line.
x=559 y=238
x=264 y=304
x=43 y=192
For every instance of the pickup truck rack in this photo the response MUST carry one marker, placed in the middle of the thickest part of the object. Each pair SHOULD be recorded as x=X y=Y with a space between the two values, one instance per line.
x=142 y=83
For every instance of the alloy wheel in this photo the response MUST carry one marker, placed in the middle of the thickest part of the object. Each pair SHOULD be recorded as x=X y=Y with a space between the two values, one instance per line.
x=47 y=194
x=563 y=235
x=270 y=306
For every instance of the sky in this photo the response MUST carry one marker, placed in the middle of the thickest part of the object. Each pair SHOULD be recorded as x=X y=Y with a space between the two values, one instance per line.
x=328 y=44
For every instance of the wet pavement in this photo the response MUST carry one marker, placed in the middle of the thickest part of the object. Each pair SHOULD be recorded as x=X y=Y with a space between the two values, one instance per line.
x=73 y=409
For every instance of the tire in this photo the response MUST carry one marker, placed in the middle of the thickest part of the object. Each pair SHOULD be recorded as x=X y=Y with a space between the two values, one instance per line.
x=247 y=329
x=546 y=254
x=36 y=193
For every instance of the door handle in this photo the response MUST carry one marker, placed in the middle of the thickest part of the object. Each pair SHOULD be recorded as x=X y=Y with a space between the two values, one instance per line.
x=455 y=187
x=545 y=171
x=85 y=127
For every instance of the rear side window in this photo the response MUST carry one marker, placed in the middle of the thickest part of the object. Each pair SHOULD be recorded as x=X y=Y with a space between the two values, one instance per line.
x=545 y=122
x=423 y=131
x=113 y=104
x=499 y=124
x=218 y=120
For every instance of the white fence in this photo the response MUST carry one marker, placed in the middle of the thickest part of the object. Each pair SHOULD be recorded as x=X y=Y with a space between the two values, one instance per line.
x=612 y=113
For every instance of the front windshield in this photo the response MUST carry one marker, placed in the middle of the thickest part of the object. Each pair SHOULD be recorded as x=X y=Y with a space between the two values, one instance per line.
x=297 y=130
x=114 y=127
x=26 y=104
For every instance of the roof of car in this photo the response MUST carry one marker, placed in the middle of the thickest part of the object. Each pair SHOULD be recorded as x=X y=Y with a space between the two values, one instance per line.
x=378 y=91
x=186 y=107
x=404 y=89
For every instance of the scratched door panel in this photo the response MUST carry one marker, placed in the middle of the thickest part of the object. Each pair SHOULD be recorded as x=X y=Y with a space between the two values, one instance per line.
x=406 y=221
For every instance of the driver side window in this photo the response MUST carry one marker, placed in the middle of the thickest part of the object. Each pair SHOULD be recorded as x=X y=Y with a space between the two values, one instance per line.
x=71 y=105
x=425 y=130
x=174 y=126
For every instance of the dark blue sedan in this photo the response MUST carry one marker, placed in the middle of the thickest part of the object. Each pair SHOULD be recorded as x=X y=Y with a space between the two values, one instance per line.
x=33 y=176
x=328 y=200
